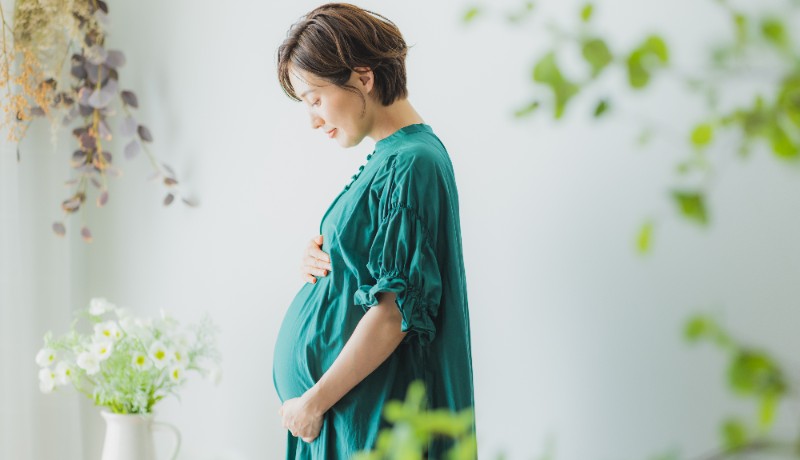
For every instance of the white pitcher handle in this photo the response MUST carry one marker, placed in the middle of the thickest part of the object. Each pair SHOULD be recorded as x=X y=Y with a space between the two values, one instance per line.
x=167 y=427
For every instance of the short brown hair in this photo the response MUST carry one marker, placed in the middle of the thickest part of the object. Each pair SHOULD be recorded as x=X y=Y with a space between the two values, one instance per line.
x=335 y=38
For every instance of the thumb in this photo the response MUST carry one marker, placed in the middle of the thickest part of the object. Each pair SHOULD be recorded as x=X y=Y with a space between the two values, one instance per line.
x=318 y=239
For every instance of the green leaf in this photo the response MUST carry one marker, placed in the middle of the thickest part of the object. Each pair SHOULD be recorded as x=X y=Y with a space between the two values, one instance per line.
x=699 y=327
x=586 y=12
x=782 y=144
x=766 y=411
x=692 y=206
x=527 y=110
x=652 y=53
x=471 y=14
x=656 y=46
x=546 y=71
x=754 y=373
x=638 y=76
x=773 y=30
x=740 y=22
x=597 y=54
x=645 y=237
x=601 y=108
x=734 y=434
x=702 y=135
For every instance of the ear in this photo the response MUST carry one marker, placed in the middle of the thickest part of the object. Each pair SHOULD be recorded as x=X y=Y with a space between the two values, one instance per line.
x=366 y=77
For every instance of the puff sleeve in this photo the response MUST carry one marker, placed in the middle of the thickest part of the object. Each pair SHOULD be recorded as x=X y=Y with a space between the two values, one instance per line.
x=402 y=258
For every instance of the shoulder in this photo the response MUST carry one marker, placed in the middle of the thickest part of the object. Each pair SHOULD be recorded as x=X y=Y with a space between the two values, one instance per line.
x=420 y=156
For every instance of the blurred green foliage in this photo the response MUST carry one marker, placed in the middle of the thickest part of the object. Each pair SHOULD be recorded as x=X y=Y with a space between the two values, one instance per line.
x=760 y=45
x=414 y=426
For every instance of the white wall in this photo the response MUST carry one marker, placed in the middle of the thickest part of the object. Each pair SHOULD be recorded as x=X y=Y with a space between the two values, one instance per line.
x=574 y=336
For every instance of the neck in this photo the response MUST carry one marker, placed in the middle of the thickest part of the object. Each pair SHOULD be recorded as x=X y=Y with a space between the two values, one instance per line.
x=389 y=119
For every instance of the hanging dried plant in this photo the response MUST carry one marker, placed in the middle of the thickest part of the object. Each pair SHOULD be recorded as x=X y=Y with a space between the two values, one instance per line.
x=47 y=34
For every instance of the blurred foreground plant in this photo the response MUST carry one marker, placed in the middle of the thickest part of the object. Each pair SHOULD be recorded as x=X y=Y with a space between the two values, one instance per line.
x=759 y=48
x=36 y=83
x=414 y=427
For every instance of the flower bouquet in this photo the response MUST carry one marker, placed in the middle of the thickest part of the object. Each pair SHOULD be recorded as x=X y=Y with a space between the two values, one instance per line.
x=128 y=364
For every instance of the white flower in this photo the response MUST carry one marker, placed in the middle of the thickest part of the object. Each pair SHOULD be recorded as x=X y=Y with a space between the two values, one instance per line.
x=179 y=356
x=102 y=350
x=45 y=357
x=107 y=331
x=176 y=373
x=63 y=373
x=141 y=362
x=159 y=354
x=89 y=363
x=99 y=305
x=47 y=380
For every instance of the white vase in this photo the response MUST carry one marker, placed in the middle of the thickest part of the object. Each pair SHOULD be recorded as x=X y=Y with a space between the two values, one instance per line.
x=130 y=437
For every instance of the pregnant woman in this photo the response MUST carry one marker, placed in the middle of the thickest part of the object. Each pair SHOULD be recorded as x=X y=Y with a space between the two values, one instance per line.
x=386 y=299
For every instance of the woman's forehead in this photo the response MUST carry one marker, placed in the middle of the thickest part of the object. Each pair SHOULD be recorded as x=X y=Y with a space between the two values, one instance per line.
x=303 y=81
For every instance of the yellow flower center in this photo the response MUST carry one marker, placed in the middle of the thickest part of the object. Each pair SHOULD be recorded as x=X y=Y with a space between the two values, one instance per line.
x=160 y=355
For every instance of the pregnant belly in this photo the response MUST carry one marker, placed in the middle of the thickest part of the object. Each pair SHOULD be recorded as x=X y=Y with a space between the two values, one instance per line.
x=315 y=328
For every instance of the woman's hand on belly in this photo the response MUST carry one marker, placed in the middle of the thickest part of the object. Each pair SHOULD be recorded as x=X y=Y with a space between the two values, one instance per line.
x=315 y=261
x=301 y=419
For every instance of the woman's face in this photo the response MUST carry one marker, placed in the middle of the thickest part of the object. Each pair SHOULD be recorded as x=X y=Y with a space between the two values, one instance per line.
x=336 y=111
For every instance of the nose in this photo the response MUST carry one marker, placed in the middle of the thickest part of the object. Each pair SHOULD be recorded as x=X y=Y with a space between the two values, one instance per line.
x=316 y=121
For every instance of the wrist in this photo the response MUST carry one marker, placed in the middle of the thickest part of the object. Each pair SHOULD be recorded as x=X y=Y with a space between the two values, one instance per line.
x=315 y=401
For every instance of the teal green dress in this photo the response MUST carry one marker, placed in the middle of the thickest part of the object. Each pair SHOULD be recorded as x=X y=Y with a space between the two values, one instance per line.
x=394 y=228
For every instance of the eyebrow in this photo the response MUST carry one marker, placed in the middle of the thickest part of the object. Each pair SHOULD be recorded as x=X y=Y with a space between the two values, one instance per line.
x=306 y=92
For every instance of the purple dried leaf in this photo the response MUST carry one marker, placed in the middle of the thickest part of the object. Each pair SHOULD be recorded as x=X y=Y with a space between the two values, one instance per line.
x=71 y=205
x=128 y=126
x=168 y=199
x=105 y=132
x=95 y=73
x=132 y=149
x=129 y=98
x=102 y=6
x=107 y=156
x=144 y=134
x=58 y=229
x=78 y=71
x=169 y=181
x=115 y=59
x=83 y=95
x=88 y=142
x=86 y=234
x=100 y=99
x=85 y=110
x=102 y=199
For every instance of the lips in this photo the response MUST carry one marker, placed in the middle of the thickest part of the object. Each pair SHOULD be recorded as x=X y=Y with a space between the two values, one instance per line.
x=332 y=133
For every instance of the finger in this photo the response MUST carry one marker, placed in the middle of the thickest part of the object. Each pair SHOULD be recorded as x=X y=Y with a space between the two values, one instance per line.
x=308 y=439
x=317 y=253
x=315 y=271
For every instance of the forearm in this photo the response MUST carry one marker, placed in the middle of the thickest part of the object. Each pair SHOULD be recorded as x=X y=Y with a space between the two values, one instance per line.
x=374 y=339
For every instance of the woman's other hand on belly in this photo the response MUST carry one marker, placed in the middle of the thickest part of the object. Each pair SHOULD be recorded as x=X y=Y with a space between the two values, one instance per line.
x=315 y=261
x=301 y=419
